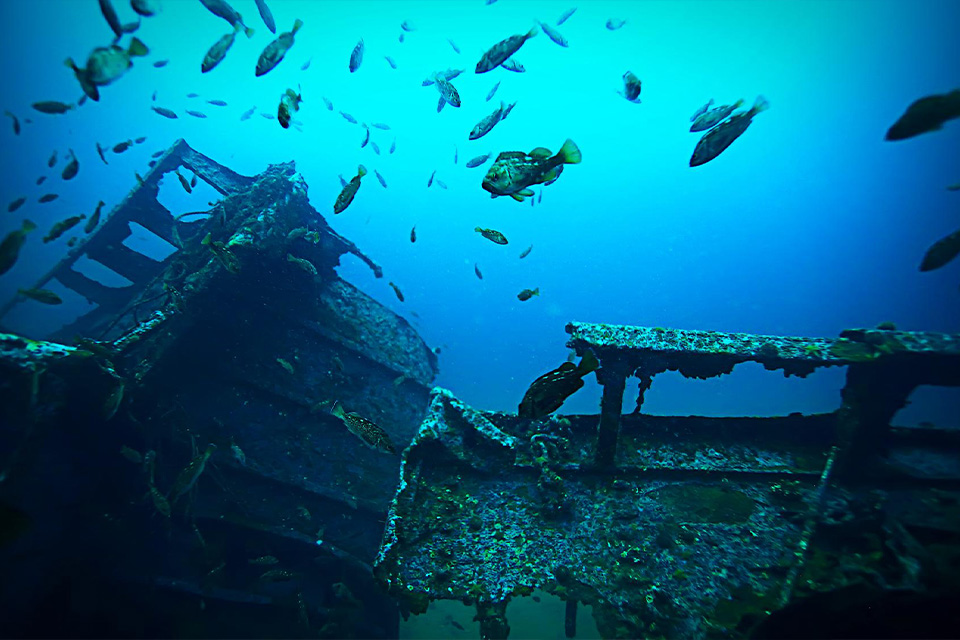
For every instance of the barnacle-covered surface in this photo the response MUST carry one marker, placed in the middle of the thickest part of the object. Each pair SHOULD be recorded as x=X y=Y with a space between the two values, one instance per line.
x=703 y=354
x=245 y=342
x=39 y=383
x=693 y=534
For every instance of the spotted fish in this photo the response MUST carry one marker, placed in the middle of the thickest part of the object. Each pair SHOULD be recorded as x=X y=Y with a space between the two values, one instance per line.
x=372 y=435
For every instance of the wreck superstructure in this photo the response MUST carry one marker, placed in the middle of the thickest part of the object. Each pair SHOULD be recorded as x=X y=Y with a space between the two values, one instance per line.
x=685 y=526
x=244 y=337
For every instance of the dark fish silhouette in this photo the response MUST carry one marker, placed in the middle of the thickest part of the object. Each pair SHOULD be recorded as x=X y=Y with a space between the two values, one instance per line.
x=925 y=115
x=356 y=56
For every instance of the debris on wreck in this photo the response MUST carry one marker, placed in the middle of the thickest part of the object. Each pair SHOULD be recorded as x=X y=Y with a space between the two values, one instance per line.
x=685 y=526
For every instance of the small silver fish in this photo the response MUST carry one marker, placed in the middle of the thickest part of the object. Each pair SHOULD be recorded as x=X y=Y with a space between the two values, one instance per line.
x=566 y=16
x=554 y=35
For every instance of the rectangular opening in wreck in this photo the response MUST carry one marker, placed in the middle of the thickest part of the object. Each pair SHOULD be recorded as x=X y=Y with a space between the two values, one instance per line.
x=98 y=272
x=173 y=196
x=749 y=390
x=929 y=406
x=147 y=243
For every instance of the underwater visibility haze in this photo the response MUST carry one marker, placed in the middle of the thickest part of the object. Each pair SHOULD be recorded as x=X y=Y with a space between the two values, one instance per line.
x=809 y=223
x=514 y=166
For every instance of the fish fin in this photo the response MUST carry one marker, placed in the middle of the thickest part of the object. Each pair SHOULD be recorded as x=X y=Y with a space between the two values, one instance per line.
x=535 y=292
x=569 y=152
x=541 y=152
x=760 y=104
x=206 y=240
x=441 y=104
x=361 y=171
x=526 y=193
x=298 y=24
x=71 y=64
x=338 y=411
x=738 y=103
x=588 y=363
x=478 y=229
x=28 y=226
x=137 y=48
x=533 y=31
x=517 y=197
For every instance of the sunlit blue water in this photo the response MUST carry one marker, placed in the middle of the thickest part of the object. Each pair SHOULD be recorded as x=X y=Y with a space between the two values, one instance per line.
x=808 y=224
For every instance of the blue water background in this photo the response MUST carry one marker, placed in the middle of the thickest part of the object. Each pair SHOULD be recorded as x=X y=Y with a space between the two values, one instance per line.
x=808 y=224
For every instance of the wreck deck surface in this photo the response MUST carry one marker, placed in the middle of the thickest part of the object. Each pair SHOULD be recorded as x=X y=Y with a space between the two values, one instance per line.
x=687 y=526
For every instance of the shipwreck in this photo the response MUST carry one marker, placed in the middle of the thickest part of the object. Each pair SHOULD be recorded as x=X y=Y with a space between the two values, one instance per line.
x=170 y=466
x=242 y=338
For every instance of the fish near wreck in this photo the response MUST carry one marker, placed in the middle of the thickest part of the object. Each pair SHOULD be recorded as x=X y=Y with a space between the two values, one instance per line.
x=942 y=252
x=52 y=107
x=349 y=191
x=702 y=110
x=631 y=87
x=222 y=9
x=166 y=113
x=448 y=93
x=217 y=52
x=397 y=291
x=486 y=125
x=371 y=435
x=266 y=15
x=526 y=294
x=500 y=52
x=44 y=296
x=145 y=8
x=187 y=478
x=62 y=227
x=514 y=172
x=289 y=103
x=110 y=15
x=275 y=51
x=105 y=65
x=715 y=141
x=492 y=235
x=713 y=117
x=479 y=160
x=926 y=115
x=513 y=65
x=553 y=34
x=73 y=167
x=222 y=254
x=94 y=219
x=549 y=391
x=11 y=245
x=16 y=122
x=356 y=57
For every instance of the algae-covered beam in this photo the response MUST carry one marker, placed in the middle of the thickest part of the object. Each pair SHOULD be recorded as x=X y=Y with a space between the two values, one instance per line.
x=612 y=375
x=570 y=619
x=493 y=620
x=872 y=395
